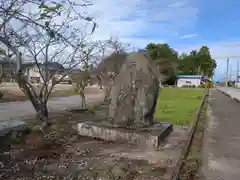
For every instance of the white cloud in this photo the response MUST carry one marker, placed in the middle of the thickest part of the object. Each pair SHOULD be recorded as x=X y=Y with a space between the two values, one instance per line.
x=188 y=36
x=138 y=21
x=177 y=4
x=129 y=20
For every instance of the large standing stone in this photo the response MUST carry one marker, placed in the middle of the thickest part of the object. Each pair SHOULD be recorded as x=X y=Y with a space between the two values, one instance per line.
x=134 y=94
x=133 y=99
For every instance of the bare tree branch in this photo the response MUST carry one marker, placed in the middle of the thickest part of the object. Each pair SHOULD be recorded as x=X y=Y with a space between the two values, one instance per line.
x=44 y=36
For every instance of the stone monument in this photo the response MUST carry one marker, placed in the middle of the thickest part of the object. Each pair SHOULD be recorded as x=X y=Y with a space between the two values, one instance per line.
x=134 y=94
x=132 y=104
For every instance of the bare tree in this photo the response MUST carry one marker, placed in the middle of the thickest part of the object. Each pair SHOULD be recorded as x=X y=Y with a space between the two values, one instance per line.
x=116 y=45
x=111 y=64
x=45 y=35
x=103 y=47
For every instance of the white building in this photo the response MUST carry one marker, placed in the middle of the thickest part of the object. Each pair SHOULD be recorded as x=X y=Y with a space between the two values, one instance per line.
x=32 y=71
x=183 y=80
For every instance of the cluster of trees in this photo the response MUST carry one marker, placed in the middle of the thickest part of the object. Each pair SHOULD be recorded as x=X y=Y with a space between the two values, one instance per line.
x=170 y=63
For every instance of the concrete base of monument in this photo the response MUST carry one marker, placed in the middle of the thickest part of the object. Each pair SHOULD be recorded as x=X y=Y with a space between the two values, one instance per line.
x=122 y=159
x=148 y=138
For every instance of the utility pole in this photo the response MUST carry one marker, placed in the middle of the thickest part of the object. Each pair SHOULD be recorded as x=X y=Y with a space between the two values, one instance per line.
x=237 y=70
x=230 y=78
x=226 y=83
x=199 y=70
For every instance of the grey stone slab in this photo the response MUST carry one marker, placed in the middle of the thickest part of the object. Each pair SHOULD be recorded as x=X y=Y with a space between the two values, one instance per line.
x=149 y=138
x=10 y=130
x=12 y=125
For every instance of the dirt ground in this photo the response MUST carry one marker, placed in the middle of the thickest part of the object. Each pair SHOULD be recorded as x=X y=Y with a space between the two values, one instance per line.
x=62 y=154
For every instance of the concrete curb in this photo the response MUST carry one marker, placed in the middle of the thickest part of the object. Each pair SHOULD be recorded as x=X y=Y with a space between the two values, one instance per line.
x=191 y=131
x=227 y=94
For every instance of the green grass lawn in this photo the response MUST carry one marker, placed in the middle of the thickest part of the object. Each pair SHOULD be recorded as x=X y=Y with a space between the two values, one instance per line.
x=178 y=105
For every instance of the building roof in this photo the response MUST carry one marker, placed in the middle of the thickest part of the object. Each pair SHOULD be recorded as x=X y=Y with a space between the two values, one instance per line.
x=50 y=65
x=6 y=61
x=190 y=76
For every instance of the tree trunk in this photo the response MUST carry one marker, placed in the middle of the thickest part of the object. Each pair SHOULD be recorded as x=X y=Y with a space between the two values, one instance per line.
x=108 y=89
x=42 y=113
x=107 y=93
x=99 y=80
x=1 y=95
x=83 y=99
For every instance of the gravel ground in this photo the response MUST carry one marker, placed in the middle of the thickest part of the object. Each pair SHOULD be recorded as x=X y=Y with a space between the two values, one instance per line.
x=221 y=157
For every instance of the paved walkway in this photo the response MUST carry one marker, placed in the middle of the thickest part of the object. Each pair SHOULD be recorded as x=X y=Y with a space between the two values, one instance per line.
x=221 y=149
x=232 y=92
x=16 y=110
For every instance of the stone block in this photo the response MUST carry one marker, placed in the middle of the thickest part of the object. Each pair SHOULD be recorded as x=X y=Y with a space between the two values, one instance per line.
x=10 y=130
x=150 y=137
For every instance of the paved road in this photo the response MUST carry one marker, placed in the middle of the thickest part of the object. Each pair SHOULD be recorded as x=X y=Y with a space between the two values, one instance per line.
x=14 y=86
x=16 y=110
x=221 y=149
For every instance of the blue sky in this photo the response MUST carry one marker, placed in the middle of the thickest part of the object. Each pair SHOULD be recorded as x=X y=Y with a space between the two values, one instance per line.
x=184 y=24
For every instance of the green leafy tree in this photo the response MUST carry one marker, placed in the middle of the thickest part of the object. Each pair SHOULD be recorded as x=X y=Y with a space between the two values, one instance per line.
x=165 y=58
x=197 y=62
x=206 y=64
x=188 y=63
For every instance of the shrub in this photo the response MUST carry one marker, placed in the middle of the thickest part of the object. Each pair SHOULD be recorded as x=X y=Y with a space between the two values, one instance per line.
x=188 y=86
x=202 y=86
x=210 y=85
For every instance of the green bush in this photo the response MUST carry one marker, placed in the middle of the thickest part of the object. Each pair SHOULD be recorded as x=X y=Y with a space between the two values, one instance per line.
x=202 y=86
x=188 y=86
x=208 y=85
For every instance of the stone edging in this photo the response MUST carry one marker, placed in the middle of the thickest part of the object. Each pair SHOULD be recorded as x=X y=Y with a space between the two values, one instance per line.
x=191 y=131
x=11 y=130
